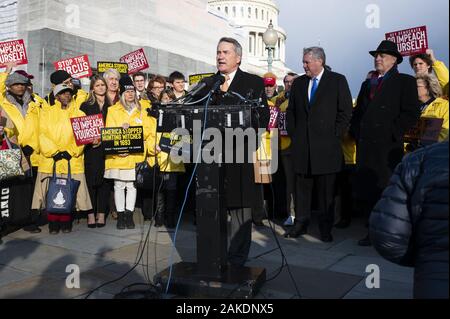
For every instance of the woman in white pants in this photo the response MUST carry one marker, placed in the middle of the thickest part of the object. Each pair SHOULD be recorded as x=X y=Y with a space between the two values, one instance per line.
x=128 y=112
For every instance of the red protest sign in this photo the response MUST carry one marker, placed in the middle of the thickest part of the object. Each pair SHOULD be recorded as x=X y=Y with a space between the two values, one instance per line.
x=78 y=67
x=137 y=61
x=88 y=128
x=13 y=51
x=274 y=115
x=410 y=41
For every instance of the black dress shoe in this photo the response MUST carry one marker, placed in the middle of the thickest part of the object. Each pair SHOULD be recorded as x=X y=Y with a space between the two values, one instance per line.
x=365 y=242
x=343 y=224
x=327 y=238
x=101 y=225
x=32 y=229
x=297 y=231
x=92 y=226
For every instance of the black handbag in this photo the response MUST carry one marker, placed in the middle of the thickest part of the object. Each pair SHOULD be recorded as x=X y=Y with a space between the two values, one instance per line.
x=62 y=193
x=147 y=177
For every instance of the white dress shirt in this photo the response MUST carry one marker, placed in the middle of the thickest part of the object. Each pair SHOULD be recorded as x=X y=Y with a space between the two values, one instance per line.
x=311 y=82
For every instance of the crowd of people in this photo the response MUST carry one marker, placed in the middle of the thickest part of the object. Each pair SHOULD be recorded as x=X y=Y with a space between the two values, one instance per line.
x=337 y=156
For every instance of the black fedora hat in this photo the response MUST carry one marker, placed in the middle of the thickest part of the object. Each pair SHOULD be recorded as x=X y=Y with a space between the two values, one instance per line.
x=390 y=48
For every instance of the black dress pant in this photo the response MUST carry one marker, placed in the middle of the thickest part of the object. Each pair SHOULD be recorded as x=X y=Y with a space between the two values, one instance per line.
x=325 y=187
x=344 y=196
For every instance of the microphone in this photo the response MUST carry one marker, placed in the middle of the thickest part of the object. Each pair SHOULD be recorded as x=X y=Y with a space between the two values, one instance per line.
x=210 y=82
x=220 y=79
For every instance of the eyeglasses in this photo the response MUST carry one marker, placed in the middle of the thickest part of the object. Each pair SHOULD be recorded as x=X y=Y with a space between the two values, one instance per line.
x=158 y=88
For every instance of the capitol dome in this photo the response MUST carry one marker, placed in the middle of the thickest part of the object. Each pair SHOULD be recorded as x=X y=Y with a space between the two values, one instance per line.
x=254 y=17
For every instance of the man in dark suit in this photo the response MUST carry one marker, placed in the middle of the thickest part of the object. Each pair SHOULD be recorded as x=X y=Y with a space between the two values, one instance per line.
x=387 y=107
x=242 y=193
x=319 y=112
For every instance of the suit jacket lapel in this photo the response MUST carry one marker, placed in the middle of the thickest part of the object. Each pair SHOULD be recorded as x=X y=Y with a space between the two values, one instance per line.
x=235 y=83
x=304 y=92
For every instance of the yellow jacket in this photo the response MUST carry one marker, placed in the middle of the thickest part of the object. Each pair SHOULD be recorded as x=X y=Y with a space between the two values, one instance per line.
x=439 y=109
x=56 y=135
x=117 y=116
x=3 y=77
x=77 y=100
x=165 y=163
x=349 y=149
x=282 y=103
x=442 y=74
x=26 y=129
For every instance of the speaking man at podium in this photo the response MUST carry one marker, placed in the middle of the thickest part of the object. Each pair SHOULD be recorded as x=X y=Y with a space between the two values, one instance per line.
x=242 y=193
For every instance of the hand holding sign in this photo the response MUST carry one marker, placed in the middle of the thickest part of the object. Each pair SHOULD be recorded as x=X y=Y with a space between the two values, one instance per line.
x=10 y=66
x=430 y=52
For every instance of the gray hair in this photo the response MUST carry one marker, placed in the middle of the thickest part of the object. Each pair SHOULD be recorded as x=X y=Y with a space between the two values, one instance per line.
x=111 y=73
x=235 y=43
x=432 y=83
x=317 y=52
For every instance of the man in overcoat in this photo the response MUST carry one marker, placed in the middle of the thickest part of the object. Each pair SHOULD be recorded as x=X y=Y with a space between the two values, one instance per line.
x=319 y=111
x=387 y=107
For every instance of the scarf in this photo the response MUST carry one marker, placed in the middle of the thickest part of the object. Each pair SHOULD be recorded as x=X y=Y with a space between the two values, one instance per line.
x=376 y=82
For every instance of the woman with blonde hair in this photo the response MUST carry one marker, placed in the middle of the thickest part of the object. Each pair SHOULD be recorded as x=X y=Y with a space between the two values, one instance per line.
x=433 y=105
x=128 y=112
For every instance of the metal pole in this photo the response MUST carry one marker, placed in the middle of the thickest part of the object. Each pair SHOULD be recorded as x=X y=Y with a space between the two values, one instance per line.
x=43 y=72
x=270 y=59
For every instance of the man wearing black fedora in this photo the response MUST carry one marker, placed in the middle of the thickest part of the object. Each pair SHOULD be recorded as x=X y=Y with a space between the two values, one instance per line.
x=387 y=107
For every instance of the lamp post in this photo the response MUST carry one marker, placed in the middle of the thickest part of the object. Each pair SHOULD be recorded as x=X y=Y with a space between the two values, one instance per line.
x=270 y=39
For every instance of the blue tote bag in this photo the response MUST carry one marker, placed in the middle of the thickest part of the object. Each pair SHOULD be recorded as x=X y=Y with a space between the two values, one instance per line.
x=62 y=193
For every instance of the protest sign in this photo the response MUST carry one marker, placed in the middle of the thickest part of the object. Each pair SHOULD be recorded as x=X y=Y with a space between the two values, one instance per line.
x=410 y=41
x=426 y=132
x=136 y=60
x=274 y=115
x=122 y=68
x=196 y=78
x=13 y=51
x=86 y=129
x=172 y=143
x=78 y=67
x=282 y=124
x=118 y=140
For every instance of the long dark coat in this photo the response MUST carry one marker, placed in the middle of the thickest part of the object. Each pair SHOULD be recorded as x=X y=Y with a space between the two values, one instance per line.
x=240 y=188
x=378 y=127
x=316 y=129
x=94 y=158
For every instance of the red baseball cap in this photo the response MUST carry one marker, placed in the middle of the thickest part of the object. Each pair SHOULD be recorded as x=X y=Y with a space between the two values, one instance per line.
x=270 y=82
x=270 y=79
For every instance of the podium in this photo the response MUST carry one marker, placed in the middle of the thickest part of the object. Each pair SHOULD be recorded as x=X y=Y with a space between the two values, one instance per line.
x=211 y=276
